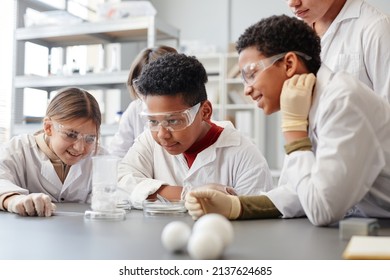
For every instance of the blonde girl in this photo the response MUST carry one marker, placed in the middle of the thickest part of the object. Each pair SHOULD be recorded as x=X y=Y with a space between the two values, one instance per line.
x=53 y=165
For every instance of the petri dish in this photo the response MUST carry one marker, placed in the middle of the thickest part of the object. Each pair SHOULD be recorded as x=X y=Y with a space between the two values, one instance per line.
x=124 y=204
x=115 y=215
x=155 y=207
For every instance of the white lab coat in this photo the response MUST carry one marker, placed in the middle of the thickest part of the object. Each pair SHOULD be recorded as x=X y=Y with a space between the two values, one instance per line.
x=358 y=41
x=24 y=169
x=232 y=160
x=130 y=126
x=348 y=171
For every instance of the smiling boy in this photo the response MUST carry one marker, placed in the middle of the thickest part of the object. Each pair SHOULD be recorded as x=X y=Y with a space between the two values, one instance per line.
x=336 y=132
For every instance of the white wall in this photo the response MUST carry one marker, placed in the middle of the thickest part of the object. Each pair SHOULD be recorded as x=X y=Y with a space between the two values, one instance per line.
x=203 y=20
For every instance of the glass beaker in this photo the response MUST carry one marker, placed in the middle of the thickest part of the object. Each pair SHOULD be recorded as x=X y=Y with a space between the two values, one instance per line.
x=104 y=189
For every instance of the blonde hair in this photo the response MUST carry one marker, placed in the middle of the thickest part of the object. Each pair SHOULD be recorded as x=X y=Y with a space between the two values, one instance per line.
x=75 y=103
x=144 y=57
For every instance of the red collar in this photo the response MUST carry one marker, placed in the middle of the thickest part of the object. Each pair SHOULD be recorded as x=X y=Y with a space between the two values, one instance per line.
x=209 y=139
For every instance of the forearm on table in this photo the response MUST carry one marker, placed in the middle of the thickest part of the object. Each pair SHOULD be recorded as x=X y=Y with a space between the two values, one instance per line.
x=169 y=192
x=257 y=207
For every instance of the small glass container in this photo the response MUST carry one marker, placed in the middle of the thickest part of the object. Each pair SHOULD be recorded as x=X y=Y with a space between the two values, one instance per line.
x=156 y=207
x=105 y=197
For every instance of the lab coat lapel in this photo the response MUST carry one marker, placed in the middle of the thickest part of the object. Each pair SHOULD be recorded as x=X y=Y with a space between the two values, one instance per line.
x=74 y=173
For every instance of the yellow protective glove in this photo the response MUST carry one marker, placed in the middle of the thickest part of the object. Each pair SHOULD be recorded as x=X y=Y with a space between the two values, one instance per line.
x=218 y=187
x=202 y=201
x=295 y=102
x=34 y=204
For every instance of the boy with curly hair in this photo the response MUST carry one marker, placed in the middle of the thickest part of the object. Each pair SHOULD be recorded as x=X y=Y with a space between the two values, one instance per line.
x=182 y=148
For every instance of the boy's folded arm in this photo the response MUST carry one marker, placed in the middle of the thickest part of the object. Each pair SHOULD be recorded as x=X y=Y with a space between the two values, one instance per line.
x=169 y=192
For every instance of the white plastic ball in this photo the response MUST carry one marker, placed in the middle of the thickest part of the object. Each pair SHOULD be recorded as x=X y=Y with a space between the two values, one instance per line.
x=175 y=235
x=205 y=245
x=218 y=224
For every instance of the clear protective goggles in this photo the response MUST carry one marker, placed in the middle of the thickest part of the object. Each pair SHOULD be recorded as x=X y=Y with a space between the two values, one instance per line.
x=248 y=72
x=72 y=136
x=172 y=121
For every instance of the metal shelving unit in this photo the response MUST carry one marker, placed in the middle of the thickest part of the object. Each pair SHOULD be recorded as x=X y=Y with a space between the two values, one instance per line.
x=147 y=29
x=134 y=29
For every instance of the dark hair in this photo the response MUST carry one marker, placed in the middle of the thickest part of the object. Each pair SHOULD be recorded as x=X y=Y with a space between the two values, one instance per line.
x=74 y=103
x=144 y=57
x=280 y=34
x=174 y=74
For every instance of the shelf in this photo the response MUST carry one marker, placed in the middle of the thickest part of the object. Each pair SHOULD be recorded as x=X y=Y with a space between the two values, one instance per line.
x=212 y=64
x=134 y=29
x=212 y=79
x=234 y=81
x=148 y=29
x=100 y=80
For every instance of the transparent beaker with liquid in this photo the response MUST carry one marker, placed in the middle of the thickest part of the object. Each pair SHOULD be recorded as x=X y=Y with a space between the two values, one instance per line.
x=104 y=190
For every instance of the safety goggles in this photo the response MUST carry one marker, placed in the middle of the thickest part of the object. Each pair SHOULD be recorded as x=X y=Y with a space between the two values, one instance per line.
x=248 y=72
x=172 y=121
x=72 y=136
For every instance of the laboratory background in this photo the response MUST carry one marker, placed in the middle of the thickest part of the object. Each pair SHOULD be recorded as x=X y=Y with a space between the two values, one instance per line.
x=30 y=71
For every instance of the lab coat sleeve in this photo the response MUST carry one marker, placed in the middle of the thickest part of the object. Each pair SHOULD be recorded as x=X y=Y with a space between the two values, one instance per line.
x=135 y=171
x=284 y=197
x=377 y=37
x=12 y=168
x=347 y=161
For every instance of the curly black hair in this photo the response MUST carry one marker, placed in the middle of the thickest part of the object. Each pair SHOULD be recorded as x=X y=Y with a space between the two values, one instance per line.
x=279 y=34
x=174 y=74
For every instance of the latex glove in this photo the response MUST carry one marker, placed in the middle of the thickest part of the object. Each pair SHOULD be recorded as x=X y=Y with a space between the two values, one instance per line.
x=218 y=187
x=295 y=102
x=202 y=201
x=34 y=204
x=222 y=188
